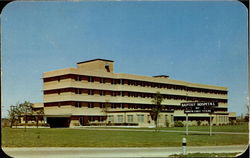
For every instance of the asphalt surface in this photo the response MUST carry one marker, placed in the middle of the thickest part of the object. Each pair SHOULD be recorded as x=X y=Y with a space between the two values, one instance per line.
x=53 y=152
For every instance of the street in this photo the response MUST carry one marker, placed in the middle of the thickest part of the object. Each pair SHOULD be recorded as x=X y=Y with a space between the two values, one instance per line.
x=73 y=152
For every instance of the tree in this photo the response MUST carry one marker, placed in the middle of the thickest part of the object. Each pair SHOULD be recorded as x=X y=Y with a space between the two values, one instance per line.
x=25 y=109
x=157 y=100
x=18 y=110
x=106 y=107
x=13 y=114
x=38 y=115
x=247 y=113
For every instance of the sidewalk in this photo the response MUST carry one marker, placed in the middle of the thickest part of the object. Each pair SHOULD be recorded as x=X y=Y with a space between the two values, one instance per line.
x=71 y=152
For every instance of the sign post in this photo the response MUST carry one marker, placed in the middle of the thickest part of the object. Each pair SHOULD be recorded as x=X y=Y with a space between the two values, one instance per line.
x=199 y=107
x=186 y=123
x=210 y=131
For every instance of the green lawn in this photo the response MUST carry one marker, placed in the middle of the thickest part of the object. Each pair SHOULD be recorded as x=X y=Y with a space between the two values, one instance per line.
x=207 y=155
x=226 y=128
x=52 y=137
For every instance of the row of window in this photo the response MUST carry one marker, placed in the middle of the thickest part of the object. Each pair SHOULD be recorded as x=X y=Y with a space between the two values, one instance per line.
x=140 y=118
x=131 y=94
x=222 y=119
x=119 y=105
x=133 y=83
x=130 y=119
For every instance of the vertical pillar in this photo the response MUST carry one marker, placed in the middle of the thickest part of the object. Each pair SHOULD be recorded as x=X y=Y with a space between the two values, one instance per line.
x=45 y=119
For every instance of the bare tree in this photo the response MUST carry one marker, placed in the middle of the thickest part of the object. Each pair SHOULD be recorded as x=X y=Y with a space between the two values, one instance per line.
x=157 y=100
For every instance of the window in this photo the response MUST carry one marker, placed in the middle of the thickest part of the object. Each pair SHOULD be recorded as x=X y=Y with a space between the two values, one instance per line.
x=90 y=92
x=102 y=105
x=111 y=118
x=130 y=118
x=78 y=78
x=118 y=81
x=140 y=118
x=120 y=118
x=102 y=80
x=90 y=79
x=90 y=105
x=136 y=83
x=118 y=105
x=78 y=105
x=78 y=91
x=102 y=93
x=113 y=106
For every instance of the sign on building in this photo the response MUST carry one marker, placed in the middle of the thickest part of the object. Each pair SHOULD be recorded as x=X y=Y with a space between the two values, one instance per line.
x=199 y=107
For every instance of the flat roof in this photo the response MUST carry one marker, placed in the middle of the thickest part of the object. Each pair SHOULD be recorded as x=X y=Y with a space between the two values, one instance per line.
x=95 y=60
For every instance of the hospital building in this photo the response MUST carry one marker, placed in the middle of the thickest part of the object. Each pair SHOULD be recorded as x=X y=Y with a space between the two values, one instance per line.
x=91 y=94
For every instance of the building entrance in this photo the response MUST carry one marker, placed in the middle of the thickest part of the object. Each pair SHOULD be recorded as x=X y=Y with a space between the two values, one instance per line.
x=56 y=122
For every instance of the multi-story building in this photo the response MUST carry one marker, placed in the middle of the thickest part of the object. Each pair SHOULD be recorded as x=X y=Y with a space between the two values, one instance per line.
x=92 y=94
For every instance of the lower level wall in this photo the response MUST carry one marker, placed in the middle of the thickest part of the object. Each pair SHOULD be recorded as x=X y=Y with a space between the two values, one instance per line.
x=144 y=119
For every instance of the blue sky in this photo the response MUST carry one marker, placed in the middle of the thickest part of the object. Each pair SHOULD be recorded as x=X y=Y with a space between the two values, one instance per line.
x=203 y=42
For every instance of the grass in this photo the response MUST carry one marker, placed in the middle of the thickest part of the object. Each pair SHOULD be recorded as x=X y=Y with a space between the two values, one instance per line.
x=207 y=155
x=52 y=137
x=226 y=128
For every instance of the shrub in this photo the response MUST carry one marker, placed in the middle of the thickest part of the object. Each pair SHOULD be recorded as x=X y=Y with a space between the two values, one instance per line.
x=76 y=124
x=178 y=124
x=199 y=123
x=33 y=124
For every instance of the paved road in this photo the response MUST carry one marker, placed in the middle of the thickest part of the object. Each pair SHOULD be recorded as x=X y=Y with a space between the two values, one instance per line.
x=52 y=152
x=170 y=131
